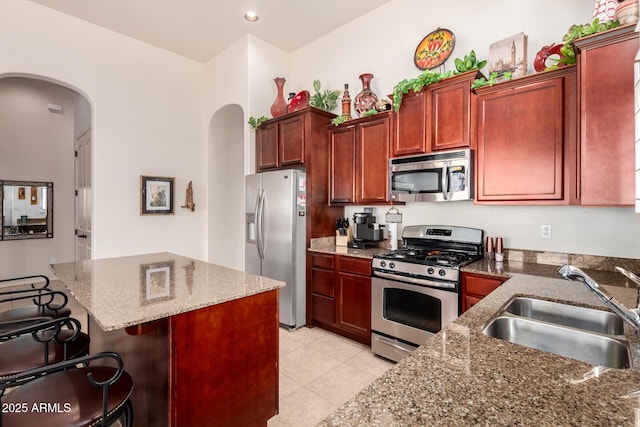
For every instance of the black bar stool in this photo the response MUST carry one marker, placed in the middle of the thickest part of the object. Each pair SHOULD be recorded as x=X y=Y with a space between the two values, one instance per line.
x=64 y=395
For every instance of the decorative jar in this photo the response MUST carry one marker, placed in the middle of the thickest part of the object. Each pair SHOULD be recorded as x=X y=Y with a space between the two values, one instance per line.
x=366 y=99
x=279 y=106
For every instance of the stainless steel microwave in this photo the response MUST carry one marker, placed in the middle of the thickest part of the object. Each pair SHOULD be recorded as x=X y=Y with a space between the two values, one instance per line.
x=437 y=177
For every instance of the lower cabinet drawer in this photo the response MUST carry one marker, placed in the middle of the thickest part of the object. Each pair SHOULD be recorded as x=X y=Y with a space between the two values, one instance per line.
x=323 y=309
x=348 y=264
x=322 y=282
x=479 y=285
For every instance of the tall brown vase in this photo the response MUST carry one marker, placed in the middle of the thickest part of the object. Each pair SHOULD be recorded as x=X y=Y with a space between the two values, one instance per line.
x=279 y=106
x=366 y=99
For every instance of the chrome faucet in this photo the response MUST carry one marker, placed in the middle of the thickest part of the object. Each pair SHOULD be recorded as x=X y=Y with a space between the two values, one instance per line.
x=630 y=315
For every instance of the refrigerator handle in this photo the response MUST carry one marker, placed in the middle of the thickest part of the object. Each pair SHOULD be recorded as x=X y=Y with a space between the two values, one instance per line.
x=260 y=223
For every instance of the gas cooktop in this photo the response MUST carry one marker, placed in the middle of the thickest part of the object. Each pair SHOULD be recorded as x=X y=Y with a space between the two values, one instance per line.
x=431 y=252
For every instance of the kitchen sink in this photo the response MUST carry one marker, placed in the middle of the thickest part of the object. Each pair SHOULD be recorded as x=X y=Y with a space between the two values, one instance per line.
x=589 y=319
x=593 y=348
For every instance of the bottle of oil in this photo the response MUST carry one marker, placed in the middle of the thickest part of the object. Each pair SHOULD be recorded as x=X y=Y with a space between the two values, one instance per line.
x=346 y=103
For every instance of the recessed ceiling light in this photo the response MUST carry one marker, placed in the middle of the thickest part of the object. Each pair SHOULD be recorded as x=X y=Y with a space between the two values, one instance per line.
x=250 y=16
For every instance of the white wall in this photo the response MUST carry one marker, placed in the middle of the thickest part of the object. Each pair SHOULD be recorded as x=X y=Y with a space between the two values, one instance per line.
x=383 y=42
x=226 y=188
x=37 y=145
x=147 y=107
x=239 y=84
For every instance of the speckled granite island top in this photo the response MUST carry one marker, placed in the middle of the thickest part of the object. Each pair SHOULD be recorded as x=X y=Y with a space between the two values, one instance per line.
x=461 y=377
x=126 y=291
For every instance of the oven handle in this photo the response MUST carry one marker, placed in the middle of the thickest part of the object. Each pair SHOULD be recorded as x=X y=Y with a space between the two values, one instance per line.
x=414 y=280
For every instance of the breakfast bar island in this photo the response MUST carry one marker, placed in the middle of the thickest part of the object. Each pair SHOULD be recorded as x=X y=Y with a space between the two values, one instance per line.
x=199 y=340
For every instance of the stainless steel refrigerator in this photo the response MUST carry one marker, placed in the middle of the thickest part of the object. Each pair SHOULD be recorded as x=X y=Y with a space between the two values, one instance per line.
x=275 y=214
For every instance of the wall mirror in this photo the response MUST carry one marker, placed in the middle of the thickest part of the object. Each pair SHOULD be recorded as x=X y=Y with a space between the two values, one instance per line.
x=27 y=210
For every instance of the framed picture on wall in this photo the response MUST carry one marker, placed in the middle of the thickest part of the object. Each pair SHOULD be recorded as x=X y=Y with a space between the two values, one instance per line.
x=21 y=193
x=156 y=195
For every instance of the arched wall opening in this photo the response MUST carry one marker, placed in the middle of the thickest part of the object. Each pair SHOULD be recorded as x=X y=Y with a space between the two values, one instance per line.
x=37 y=144
x=225 y=193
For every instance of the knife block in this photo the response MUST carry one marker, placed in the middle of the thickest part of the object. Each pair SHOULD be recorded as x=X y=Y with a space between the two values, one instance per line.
x=343 y=240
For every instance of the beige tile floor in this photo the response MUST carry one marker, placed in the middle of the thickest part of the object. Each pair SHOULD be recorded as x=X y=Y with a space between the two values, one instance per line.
x=320 y=371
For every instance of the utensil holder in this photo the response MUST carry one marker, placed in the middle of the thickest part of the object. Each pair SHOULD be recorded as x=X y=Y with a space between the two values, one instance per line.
x=343 y=240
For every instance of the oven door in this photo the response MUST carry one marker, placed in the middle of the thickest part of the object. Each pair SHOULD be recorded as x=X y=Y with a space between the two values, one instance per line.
x=405 y=314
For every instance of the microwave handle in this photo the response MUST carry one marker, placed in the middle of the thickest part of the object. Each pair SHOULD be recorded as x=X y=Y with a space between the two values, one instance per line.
x=445 y=182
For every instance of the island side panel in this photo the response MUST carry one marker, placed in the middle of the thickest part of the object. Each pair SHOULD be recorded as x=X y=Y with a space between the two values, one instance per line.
x=224 y=363
x=145 y=353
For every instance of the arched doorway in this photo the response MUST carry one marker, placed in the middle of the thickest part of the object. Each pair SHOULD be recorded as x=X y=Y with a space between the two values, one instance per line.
x=40 y=120
x=225 y=193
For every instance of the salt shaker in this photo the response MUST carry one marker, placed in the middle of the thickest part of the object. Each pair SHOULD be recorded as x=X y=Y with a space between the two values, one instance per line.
x=489 y=247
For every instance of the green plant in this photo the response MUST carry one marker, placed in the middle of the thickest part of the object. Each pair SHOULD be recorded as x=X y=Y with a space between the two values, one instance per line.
x=468 y=63
x=577 y=31
x=255 y=123
x=337 y=121
x=493 y=79
x=370 y=112
x=327 y=100
x=426 y=78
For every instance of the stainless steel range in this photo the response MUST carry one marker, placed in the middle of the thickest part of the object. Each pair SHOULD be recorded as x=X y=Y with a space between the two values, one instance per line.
x=415 y=290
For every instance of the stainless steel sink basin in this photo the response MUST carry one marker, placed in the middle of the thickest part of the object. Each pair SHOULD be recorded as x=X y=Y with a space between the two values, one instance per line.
x=589 y=347
x=599 y=321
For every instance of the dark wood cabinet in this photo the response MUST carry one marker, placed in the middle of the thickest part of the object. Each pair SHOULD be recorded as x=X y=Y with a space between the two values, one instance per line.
x=453 y=113
x=411 y=128
x=322 y=288
x=607 y=134
x=526 y=137
x=353 y=283
x=439 y=117
x=359 y=156
x=267 y=146
x=341 y=295
x=477 y=286
x=291 y=141
x=342 y=176
x=286 y=141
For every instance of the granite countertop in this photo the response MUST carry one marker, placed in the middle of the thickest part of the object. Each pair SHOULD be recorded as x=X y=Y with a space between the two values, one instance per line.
x=327 y=245
x=462 y=377
x=126 y=291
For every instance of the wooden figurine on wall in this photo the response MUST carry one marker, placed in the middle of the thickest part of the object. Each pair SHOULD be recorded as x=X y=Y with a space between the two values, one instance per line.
x=189 y=201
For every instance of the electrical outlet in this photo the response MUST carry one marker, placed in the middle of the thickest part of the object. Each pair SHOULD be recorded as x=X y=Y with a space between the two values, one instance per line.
x=545 y=231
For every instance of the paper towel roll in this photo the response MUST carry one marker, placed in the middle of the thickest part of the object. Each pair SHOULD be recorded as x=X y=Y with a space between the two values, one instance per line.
x=393 y=235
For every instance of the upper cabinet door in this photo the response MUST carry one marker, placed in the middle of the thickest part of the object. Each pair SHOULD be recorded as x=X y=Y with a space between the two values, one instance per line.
x=452 y=113
x=291 y=141
x=521 y=138
x=411 y=124
x=372 y=163
x=267 y=146
x=342 y=152
x=607 y=132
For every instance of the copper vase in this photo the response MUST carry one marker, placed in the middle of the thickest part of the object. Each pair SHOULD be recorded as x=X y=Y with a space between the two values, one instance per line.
x=366 y=99
x=279 y=106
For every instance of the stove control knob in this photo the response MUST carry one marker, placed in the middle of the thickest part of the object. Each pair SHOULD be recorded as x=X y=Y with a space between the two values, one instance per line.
x=383 y=264
x=430 y=270
x=392 y=264
x=442 y=272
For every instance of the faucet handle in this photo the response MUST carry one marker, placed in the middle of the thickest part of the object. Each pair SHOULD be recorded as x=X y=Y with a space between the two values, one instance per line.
x=635 y=279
